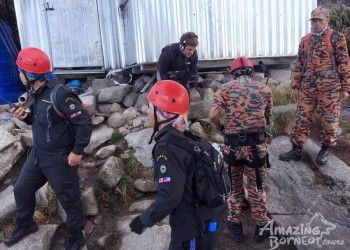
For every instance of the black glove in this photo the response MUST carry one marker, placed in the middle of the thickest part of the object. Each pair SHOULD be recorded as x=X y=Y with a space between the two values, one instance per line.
x=136 y=225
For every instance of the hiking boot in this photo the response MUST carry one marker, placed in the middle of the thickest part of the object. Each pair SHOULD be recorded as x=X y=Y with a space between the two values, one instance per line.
x=236 y=230
x=260 y=236
x=294 y=154
x=322 y=156
x=76 y=242
x=19 y=233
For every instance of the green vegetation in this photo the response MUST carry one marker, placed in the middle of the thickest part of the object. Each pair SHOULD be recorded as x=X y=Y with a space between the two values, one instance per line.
x=51 y=209
x=116 y=137
x=344 y=125
x=281 y=95
x=340 y=19
x=283 y=123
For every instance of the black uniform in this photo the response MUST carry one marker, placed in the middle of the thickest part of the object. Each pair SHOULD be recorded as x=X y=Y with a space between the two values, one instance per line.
x=172 y=59
x=48 y=160
x=174 y=172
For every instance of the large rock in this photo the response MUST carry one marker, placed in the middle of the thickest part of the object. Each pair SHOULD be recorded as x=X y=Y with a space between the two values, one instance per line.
x=10 y=151
x=100 y=135
x=114 y=94
x=7 y=205
x=40 y=240
x=302 y=194
x=139 y=141
x=156 y=237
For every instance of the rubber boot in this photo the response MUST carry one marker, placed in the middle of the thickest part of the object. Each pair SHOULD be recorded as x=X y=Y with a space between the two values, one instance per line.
x=19 y=233
x=236 y=230
x=322 y=156
x=294 y=154
x=75 y=241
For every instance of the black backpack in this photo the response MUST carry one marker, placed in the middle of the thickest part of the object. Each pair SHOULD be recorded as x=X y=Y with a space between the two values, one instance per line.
x=212 y=180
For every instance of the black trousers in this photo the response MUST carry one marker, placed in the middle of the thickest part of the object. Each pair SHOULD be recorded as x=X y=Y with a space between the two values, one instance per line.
x=209 y=239
x=63 y=180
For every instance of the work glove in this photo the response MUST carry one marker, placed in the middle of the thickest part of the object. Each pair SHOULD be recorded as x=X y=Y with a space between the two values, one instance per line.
x=136 y=225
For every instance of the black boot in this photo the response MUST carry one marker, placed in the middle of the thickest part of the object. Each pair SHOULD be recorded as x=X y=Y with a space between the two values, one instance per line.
x=294 y=154
x=19 y=233
x=236 y=230
x=75 y=241
x=322 y=156
x=260 y=236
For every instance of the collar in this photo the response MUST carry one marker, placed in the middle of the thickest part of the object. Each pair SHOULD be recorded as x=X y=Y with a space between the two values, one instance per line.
x=167 y=129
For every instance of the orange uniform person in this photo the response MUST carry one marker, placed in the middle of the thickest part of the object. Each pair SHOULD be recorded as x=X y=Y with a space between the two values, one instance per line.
x=320 y=80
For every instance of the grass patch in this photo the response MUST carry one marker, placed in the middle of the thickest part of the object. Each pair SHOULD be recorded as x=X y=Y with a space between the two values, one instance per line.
x=283 y=123
x=116 y=137
x=7 y=229
x=135 y=169
x=125 y=188
x=51 y=209
x=344 y=125
x=281 y=95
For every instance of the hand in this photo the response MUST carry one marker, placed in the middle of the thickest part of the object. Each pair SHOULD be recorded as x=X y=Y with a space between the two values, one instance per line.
x=344 y=95
x=19 y=112
x=136 y=225
x=73 y=159
x=295 y=95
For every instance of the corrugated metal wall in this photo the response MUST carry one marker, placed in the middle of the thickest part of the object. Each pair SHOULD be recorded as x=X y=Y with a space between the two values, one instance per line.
x=135 y=31
x=226 y=28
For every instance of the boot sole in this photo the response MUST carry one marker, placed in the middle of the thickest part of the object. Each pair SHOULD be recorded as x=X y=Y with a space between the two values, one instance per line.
x=289 y=159
x=31 y=231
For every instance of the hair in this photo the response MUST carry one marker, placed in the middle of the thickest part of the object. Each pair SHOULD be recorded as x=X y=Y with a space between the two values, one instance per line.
x=190 y=38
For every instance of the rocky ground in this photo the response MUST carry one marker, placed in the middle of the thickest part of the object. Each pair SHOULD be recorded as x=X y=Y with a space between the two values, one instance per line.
x=108 y=228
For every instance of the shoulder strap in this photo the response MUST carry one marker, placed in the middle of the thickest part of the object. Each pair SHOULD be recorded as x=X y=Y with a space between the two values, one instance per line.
x=334 y=39
x=329 y=37
x=53 y=99
x=307 y=41
x=182 y=143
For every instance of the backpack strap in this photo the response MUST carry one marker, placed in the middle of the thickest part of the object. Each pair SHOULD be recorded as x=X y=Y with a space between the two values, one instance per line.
x=55 y=85
x=330 y=39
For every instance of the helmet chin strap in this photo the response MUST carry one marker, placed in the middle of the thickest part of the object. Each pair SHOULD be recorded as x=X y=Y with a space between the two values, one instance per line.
x=156 y=123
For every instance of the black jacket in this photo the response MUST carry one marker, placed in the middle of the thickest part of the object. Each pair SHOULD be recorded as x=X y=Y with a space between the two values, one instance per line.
x=172 y=59
x=52 y=141
x=173 y=171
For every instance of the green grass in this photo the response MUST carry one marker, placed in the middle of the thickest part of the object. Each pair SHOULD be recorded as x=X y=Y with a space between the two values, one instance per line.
x=283 y=123
x=51 y=209
x=116 y=137
x=281 y=96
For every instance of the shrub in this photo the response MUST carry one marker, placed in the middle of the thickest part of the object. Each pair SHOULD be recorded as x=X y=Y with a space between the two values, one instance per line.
x=340 y=19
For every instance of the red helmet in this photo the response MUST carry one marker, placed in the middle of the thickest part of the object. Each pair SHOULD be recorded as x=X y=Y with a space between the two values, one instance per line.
x=169 y=96
x=33 y=60
x=241 y=62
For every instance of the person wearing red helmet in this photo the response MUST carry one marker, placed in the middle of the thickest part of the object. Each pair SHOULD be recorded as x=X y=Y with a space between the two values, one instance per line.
x=173 y=170
x=57 y=150
x=241 y=110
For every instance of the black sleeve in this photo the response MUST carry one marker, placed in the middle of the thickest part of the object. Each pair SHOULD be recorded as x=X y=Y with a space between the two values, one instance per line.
x=165 y=62
x=170 y=174
x=78 y=117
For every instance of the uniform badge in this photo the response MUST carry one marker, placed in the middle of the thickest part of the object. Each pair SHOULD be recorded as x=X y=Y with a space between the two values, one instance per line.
x=162 y=169
x=72 y=106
